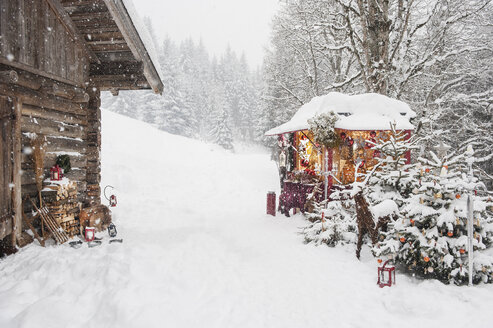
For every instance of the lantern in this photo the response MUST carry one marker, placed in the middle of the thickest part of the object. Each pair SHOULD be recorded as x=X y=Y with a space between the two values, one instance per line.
x=385 y=274
x=90 y=234
x=113 y=201
x=56 y=173
x=112 y=230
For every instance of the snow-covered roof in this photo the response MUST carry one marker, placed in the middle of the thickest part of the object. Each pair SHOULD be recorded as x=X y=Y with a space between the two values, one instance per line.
x=369 y=111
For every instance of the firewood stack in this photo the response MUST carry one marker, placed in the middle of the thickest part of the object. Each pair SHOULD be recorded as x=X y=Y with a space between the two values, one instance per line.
x=61 y=200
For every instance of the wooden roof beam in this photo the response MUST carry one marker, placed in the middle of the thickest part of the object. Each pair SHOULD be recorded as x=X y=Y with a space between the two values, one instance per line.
x=134 y=42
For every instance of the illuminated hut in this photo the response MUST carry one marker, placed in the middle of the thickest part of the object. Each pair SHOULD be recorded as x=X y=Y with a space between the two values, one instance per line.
x=361 y=121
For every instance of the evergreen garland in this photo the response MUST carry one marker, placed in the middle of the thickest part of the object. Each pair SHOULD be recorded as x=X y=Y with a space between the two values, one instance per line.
x=322 y=127
x=64 y=162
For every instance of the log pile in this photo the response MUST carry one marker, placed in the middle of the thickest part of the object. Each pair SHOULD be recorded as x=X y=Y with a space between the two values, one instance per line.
x=61 y=201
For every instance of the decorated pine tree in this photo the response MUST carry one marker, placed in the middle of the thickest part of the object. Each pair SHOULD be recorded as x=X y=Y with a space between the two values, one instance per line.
x=430 y=237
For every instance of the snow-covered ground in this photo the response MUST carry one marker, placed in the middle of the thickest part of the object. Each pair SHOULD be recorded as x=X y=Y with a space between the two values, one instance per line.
x=199 y=251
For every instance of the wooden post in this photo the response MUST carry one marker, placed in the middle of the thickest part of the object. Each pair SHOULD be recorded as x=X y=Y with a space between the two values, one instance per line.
x=17 y=192
x=93 y=173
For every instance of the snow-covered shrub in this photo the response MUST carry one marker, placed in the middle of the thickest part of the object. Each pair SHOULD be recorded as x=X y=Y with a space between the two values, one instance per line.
x=338 y=224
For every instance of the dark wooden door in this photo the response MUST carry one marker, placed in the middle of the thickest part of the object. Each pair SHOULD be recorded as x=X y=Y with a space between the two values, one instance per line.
x=6 y=179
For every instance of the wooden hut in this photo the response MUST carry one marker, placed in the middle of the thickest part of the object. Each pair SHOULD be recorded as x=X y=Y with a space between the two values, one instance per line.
x=361 y=118
x=56 y=56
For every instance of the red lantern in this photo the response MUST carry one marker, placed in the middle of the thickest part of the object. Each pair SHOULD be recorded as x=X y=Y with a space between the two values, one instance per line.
x=90 y=234
x=113 y=201
x=56 y=173
x=385 y=275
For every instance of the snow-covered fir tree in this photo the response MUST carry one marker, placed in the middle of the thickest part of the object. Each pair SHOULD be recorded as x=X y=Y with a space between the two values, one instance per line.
x=429 y=239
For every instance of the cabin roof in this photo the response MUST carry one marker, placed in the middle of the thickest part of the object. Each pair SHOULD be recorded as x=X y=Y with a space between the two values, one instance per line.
x=121 y=53
x=367 y=111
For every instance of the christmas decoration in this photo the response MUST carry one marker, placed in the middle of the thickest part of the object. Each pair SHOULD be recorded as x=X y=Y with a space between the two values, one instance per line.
x=64 y=162
x=56 y=173
x=322 y=127
x=89 y=234
x=385 y=274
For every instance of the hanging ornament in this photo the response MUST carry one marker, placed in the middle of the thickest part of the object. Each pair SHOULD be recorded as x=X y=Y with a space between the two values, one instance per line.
x=430 y=269
x=426 y=259
x=438 y=195
x=457 y=196
x=450 y=233
x=379 y=260
x=403 y=240
x=462 y=250
x=412 y=222
x=427 y=170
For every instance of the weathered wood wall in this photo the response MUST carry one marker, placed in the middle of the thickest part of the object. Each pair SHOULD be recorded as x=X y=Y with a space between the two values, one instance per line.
x=33 y=35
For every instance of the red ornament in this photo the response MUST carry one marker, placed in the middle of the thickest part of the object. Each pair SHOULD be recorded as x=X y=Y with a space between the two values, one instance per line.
x=450 y=233
x=385 y=275
x=427 y=170
x=462 y=250
x=402 y=239
x=56 y=173
x=379 y=260
x=412 y=221
x=457 y=196
x=427 y=259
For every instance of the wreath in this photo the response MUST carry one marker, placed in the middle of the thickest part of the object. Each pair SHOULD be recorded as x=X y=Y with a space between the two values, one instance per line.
x=323 y=129
x=64 y=162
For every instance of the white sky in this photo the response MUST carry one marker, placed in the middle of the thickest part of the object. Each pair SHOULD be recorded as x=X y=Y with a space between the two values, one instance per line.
x=243 y=24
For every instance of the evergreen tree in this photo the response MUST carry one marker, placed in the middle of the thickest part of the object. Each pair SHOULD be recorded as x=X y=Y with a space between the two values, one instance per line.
x=430 y=238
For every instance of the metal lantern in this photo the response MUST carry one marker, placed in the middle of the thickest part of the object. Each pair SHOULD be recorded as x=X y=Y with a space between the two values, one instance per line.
x=112 y=230
x=90 y=234
x=385 y=274
x=113 y=201
x=56 y=173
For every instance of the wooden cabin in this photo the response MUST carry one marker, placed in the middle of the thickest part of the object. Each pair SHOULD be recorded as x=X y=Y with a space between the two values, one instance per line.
x=56 y=56
x=361 y=118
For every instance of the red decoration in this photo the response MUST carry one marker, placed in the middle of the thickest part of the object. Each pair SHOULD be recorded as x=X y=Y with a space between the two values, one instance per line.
x=385 y=275
x=90 y=234
x=450 y=233
x=271 y=203
x=56 y=173
x=379 y=260
x=457 y=196
x=427 y=170
x=113 y=201
x=412 y=222
x=427 y=259
x=462 y=250
x=402 y=239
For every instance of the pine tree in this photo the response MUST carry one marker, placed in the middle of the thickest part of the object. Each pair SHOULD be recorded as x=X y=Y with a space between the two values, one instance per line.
x=221 y=133
x=430 y=238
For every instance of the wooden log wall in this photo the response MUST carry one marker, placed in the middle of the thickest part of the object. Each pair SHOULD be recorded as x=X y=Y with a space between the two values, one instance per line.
x=34 y=36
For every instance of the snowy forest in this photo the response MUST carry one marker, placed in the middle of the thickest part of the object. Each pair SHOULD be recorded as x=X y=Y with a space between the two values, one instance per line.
x=207 y=98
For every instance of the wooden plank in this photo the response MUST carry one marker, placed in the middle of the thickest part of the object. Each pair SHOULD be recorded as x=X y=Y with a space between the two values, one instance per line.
x=64 y=18
x=36 y=98
x=49 y=114
x=17 y=192
x=6 y=167
x=51 y=128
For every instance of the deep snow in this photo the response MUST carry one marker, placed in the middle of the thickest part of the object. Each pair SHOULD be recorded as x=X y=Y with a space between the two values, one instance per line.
x=199 y=251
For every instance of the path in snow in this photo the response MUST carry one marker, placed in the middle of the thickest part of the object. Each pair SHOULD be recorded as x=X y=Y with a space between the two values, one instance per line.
x=199 y=251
